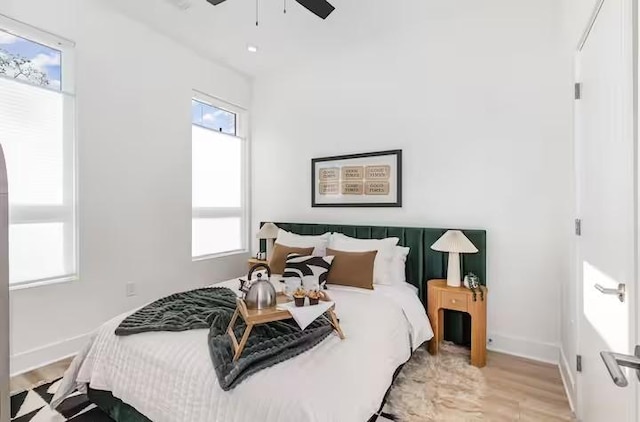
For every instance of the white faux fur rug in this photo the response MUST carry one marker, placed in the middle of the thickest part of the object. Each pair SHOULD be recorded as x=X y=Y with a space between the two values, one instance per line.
x=437 y=388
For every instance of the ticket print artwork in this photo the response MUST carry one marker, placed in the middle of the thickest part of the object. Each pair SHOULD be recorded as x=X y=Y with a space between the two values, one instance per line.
x=371 y=179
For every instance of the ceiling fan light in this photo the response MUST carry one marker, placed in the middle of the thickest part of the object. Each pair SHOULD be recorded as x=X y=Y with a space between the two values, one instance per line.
x=320 y=8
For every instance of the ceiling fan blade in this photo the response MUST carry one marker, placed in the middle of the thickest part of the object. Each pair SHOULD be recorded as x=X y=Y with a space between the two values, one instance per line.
x=215 y=2
x=320 y=8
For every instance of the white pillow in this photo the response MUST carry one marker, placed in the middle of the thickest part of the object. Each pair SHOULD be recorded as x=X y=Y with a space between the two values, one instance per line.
x=382 y=265
x=399 y=264
x=320 y=243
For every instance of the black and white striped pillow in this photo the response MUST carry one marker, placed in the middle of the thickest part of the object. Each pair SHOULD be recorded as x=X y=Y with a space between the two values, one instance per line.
x=305 y=267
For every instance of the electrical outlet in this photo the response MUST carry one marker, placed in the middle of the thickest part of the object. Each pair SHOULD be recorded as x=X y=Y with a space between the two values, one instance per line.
x=131 y=289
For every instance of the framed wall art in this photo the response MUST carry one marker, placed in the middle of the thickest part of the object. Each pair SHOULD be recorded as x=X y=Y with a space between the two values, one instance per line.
x=372 y=179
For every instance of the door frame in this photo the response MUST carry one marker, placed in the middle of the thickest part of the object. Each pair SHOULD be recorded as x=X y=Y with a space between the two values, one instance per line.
x=630 y=117
x=635 y=40
x=5 y=314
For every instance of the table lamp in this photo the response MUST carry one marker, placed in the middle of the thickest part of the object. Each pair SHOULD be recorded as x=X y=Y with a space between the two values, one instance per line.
x=454 y=242
x=268 y=231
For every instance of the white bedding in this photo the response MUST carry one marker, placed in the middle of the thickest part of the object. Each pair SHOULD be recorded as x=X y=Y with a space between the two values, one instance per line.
x=169 y=376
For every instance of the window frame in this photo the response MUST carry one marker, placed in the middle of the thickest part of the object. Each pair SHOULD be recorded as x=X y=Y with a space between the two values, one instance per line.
x=67 y=212
x=242 y=119
x=202 y=125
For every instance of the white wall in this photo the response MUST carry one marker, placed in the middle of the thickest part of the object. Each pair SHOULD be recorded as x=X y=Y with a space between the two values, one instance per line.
x=134 y=175
x=472 y=91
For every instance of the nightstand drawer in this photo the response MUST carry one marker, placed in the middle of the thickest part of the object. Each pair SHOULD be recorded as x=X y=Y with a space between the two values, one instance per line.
x=454 y=300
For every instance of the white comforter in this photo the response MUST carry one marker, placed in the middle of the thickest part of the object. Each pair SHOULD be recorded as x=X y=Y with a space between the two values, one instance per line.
x=169 y=376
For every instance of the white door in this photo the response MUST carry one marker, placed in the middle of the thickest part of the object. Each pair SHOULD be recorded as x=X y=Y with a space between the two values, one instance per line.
x=4 y=294
x=606 y=186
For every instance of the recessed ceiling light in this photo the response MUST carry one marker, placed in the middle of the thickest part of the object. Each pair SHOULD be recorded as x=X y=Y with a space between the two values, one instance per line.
x=252 y=48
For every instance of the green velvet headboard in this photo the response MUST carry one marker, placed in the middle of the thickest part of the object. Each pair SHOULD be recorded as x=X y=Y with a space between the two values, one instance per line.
x=423 y=263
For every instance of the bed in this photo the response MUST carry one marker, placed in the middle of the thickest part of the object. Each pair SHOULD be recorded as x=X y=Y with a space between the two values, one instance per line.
x=163 y=376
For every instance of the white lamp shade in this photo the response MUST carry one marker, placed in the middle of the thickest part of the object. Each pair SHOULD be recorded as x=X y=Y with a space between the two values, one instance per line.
x=268 y=231
x=454 y=241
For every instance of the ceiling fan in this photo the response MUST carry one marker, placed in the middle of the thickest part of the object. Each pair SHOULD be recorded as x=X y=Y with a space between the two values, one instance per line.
x=320 y=8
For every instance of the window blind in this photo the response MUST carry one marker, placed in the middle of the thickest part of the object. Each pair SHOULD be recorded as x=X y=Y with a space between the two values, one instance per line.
x=218 y=190
x=41 y=220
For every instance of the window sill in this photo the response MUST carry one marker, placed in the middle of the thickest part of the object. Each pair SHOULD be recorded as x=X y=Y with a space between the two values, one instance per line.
x=219 y=255
x=41 y=283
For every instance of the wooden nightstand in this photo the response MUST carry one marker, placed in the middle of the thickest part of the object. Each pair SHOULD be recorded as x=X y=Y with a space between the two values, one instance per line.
x=441 y=297
x=253 y=261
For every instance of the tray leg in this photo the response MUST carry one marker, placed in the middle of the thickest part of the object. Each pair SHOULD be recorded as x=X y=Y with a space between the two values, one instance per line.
x=335 y=324
x=243 y=342
x=232 y=323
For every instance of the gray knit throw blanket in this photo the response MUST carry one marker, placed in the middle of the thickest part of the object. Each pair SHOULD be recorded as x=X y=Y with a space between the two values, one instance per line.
x=212 y=308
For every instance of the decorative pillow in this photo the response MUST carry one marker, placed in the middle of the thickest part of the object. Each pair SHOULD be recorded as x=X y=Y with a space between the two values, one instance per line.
x=384 y=247
x=312 y=270
x=319 y=243
x=399 y=265
x=353 y=269
x=279 y=255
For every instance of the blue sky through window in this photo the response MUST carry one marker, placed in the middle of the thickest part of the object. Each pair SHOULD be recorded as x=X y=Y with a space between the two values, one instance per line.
x=213 y=118
x=29 y=61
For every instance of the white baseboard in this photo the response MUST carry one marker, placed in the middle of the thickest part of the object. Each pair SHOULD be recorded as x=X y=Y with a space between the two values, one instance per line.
x=568 y=380
x=42 y=356
x=543 y=352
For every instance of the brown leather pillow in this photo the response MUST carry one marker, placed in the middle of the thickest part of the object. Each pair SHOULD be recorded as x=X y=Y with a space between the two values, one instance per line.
x=353 y=269
x=278 y=260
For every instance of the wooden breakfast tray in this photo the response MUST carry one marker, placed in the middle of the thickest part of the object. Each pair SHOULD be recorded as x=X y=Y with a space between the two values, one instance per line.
x=253 y=317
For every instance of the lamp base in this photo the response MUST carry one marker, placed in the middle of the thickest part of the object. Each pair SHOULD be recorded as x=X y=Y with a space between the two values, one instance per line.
x=453 y=270
x=270 y=246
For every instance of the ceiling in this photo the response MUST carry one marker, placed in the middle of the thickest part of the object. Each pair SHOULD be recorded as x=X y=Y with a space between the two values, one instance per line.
x=223 y=32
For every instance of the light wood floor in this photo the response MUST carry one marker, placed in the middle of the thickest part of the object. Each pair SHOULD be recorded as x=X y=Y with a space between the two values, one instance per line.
x=524 y=390
x=518 y=389
x=39 y=376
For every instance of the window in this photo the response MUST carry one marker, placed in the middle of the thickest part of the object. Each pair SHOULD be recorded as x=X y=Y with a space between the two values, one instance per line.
x=37 y=134
x=219 y=218
x=213 y=118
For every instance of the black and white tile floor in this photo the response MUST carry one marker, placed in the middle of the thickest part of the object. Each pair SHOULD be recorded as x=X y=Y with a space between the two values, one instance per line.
x=384 y=417
x=33 y=406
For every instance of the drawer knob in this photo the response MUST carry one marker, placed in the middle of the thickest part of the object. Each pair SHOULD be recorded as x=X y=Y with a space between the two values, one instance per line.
x=453 y=301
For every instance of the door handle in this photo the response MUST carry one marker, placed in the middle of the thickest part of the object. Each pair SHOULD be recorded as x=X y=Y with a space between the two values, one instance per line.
x=620 y=291
x=613 y=362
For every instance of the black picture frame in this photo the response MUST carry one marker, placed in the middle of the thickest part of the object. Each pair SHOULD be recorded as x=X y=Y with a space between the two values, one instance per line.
x=398 y=185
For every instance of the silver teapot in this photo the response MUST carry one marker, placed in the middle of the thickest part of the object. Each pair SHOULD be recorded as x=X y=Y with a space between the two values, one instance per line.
x=259 y=294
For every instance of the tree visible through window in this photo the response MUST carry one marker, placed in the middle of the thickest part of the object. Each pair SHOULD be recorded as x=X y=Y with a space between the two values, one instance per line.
x=29 y=61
